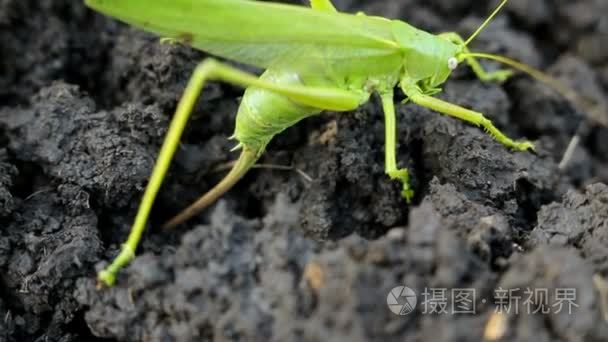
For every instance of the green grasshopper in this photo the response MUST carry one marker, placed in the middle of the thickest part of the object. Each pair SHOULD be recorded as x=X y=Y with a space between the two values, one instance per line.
x=315 y=59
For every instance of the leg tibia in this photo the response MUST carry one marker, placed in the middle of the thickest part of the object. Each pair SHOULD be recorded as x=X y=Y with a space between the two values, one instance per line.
x=467 y=115
x=107 y=277
x=391 y=169
x=503 y=139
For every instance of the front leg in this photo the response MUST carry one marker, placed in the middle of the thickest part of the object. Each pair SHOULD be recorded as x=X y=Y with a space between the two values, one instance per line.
x=476 y=118
x=486 y=76
x=390 y=168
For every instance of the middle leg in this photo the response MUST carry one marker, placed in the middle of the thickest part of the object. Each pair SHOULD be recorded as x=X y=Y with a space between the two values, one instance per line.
x=390 y=168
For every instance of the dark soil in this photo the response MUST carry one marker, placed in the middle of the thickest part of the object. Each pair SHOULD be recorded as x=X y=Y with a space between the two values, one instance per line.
x=84 y=105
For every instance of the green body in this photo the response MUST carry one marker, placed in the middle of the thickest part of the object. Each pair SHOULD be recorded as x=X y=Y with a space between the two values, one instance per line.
x=315 y=59
x=295 y=45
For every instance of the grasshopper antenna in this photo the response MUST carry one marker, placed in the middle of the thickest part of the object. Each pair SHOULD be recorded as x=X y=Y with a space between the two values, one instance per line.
x=246 y=160
x=486 y=22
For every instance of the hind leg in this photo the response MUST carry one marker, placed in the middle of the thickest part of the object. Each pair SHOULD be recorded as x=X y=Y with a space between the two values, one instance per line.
x=210 y=69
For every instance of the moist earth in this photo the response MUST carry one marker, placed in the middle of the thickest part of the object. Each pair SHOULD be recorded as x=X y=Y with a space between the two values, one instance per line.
x=309 y=254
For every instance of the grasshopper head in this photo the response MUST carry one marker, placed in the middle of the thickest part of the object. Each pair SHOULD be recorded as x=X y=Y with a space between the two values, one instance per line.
x=428 y=60
x=447 y=61
x=431 y=63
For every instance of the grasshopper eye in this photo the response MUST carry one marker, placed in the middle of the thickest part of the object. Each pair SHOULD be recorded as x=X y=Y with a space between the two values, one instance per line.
x=452 y=63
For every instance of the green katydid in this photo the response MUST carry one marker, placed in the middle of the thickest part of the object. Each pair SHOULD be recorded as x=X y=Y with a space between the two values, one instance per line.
x=315 y=59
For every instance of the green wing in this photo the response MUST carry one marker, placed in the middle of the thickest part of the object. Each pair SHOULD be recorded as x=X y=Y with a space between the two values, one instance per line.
x=258 y=33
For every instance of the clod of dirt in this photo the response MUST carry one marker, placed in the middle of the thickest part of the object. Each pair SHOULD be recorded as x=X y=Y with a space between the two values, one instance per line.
x=582 y=24
x=227 y=280
x=531 y=13
x=571 y=309
x=561 y=120
x=579 y=75
x=46 y=41
x=487 y=231
x=224 y=260
x=7 y=174
x=351 y=192
x=150 y=72
x=479 y=167
x=109 y=154
x=51 y=241
x=580 y=220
